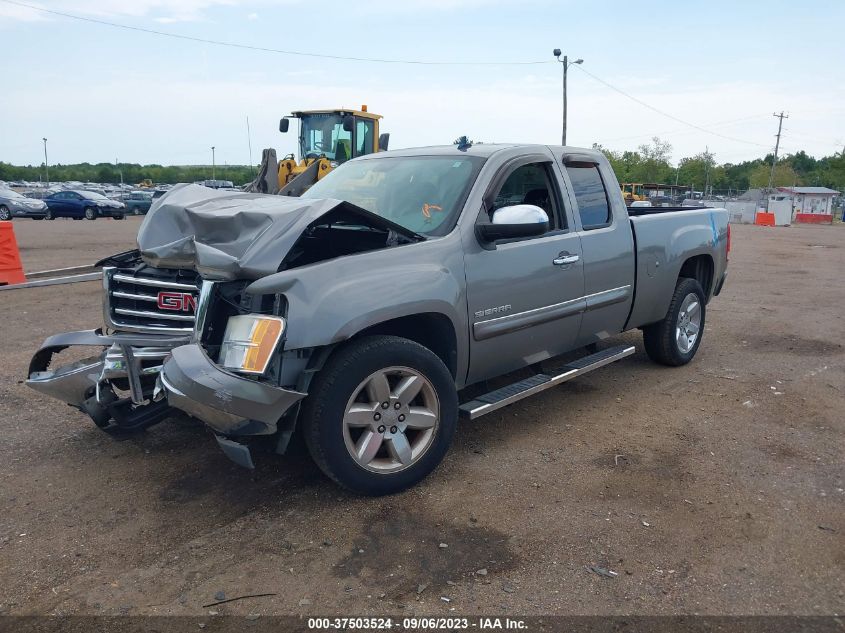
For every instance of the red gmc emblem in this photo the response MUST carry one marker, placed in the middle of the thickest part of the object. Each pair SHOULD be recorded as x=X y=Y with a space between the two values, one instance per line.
x=177 y=301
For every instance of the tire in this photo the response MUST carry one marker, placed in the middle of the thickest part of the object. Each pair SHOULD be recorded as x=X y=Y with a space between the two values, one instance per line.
x=49 y=215
x=332 y=431
x=119 y=217
x=670 y=341
x=37 y=217
x=5 y=214
x=90 y=213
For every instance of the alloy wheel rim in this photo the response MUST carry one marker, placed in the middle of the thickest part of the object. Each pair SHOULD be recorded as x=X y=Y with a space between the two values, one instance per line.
x=688 y=327
x=5 y=214
x=391 y=420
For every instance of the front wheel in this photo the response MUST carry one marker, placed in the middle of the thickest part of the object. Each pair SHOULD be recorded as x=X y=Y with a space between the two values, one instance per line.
x=675 y=340
x=90 y=213
x=5 y=214
x=381 y=414
x=119 y=217
x=49 y=215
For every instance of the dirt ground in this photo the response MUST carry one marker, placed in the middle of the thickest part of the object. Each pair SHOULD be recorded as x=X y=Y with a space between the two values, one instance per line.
x=714 y=488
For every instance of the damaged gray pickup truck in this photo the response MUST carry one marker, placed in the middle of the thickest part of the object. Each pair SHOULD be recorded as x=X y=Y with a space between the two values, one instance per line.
x=372 y=312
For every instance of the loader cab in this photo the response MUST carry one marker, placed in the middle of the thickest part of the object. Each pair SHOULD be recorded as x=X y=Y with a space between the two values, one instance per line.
x=337 y=135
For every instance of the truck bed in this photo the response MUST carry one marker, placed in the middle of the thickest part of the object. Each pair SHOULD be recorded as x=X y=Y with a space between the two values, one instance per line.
x=664 y=239
x=637 y=211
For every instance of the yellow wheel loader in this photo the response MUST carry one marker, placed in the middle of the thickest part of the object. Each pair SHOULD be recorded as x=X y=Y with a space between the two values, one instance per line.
x=327 y=138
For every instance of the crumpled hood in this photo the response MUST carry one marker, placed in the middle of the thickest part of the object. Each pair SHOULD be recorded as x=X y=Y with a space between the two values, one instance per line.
x=230 y=234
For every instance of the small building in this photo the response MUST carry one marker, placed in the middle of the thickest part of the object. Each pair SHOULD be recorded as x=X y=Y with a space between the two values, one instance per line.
x=812 y=205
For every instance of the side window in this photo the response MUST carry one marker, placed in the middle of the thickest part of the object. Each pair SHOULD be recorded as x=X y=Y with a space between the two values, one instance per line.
x=588 y=187
x=529 y=184
x=364 y=136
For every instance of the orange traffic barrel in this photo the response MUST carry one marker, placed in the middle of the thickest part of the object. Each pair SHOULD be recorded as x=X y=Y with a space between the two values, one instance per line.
x=11 y=271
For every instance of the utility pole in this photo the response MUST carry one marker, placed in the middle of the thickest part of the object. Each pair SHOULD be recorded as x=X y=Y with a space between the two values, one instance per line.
x=213 y=161
x=46 y=164
x=781 y=117
x=566 y=63
x=249 y=143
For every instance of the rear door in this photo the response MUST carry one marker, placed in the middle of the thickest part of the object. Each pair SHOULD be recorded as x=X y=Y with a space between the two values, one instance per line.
x=58 y=203
x=608 y=247
x=524 y=301
x=75 y=204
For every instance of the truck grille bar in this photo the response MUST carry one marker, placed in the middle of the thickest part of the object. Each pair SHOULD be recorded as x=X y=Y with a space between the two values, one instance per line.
x=132 y=300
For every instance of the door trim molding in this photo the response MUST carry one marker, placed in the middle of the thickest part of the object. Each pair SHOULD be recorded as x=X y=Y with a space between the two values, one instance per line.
x=483 y=330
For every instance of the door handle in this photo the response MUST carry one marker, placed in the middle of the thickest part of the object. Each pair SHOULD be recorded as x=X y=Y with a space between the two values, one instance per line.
x=563 y=259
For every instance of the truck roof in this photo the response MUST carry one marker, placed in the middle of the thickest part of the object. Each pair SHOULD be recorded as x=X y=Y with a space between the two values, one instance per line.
x=485 y=150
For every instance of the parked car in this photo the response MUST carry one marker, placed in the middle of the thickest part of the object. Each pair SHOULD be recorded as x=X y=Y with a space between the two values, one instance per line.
x=14 y=205
x=363 y=311
x=640 y=203
x=78 y=204
x=138 y=202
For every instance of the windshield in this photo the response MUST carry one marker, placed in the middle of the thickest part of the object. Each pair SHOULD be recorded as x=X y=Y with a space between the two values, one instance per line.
x=424 y=194
x=91 y=195
x=323 y=134
x=8 y=193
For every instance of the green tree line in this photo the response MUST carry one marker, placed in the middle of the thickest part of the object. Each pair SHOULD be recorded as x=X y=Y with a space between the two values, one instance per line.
x=650 y=162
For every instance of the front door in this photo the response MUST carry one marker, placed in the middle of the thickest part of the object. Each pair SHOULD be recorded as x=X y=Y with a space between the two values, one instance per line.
x=525 y=296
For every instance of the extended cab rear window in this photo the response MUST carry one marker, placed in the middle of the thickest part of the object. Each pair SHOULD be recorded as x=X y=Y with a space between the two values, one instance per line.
x=590 y=194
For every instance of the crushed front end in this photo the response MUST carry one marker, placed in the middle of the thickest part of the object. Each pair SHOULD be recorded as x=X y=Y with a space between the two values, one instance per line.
x=174 y=340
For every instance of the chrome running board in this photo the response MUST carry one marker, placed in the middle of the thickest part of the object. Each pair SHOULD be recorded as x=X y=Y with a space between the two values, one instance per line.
x=495 y=400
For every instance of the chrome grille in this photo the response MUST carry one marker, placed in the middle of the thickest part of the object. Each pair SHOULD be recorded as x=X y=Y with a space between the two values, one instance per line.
x=132 y=300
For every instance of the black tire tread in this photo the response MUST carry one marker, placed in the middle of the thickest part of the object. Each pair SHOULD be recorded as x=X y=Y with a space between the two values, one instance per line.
x=658 y=338
x=342 y=361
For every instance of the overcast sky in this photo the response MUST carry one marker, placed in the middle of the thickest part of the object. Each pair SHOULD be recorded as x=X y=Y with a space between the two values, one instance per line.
x=100 y=93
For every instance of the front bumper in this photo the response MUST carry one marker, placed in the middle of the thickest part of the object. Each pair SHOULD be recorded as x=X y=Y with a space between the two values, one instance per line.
x=132 y=358
x=24 y=211
x=231 y=405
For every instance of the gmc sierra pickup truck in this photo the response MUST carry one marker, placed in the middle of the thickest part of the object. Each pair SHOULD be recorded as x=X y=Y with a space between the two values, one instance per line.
x=371 y=312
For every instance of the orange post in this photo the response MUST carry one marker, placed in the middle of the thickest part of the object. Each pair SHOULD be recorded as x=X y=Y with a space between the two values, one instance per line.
x=11 y=271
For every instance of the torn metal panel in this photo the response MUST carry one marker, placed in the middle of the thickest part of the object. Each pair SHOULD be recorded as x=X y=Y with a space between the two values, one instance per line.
x=235 y=235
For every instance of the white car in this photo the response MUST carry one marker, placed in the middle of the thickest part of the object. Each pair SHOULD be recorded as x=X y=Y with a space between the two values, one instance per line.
x=640 y=203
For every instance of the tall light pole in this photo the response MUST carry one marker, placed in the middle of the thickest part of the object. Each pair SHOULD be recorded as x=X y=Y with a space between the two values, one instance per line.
x=566 y=64
x=213 y=161
x=46 y=164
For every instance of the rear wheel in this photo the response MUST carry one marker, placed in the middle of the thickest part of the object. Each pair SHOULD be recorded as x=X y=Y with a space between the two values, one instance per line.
x=380 y=415
x=675 y=340
x=90 y=213
x=5 y=214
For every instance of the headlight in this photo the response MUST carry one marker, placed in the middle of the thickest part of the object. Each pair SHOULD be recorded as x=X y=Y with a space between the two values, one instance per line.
x=250 y=341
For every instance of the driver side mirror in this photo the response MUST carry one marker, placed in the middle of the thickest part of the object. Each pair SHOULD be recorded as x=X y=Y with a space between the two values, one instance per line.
x=348 y=123
x=383 y=140
x=521 y=220
x=284 y=125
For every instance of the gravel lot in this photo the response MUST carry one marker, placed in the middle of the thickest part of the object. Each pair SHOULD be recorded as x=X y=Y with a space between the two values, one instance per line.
x=712 y=488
